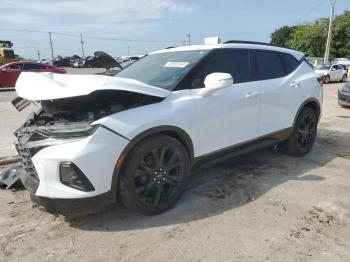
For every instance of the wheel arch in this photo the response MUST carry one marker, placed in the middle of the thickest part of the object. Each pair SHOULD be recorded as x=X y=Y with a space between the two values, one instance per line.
x=172 y=131
x=312 y=103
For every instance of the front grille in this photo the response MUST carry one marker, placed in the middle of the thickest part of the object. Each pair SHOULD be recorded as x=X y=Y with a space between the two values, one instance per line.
x=27 y=161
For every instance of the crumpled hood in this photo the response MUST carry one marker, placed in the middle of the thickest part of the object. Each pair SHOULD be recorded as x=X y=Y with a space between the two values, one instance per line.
x=47 y=86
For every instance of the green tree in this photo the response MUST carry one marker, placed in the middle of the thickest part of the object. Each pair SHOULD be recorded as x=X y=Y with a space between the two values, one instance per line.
x=282 y=35
x=311 y=38
x=341 y=36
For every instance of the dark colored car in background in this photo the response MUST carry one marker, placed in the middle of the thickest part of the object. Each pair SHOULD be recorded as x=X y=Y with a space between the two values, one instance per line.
x=344 y=95
x=9 y=73
x=92 y=62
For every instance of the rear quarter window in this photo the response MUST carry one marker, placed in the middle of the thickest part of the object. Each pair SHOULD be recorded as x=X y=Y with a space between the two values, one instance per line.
x=290 y=62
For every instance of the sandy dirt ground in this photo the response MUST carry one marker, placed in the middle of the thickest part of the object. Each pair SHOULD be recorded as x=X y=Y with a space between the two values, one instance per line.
x=265 y=206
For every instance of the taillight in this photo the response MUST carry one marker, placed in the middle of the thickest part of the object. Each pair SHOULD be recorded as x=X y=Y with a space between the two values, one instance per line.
x=320 y=80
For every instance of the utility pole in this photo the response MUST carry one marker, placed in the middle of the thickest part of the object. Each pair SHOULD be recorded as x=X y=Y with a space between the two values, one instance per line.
x=38 y=52
x=128 y=50
x=82 y=44
x=51 y=45
x=329 y=37
x=189 y=38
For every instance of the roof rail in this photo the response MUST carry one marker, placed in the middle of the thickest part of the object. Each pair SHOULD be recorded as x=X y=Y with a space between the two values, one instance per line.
x=252 y=43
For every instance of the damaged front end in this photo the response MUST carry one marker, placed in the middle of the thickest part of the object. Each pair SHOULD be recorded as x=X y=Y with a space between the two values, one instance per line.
x=69 y=157
x=67 y=120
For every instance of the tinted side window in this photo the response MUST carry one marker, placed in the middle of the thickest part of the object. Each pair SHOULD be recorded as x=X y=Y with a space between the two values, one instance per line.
x=235 y=62
x=33 y=67
x=16 y=66
x=290 y=62
x=268 y=65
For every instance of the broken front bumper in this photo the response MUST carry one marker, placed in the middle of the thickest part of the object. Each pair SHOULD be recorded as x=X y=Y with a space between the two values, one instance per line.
x=74 y=207
x=95 y=156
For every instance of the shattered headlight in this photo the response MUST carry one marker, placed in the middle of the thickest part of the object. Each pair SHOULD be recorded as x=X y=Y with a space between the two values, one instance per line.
x=346 y=88
x=69 y=130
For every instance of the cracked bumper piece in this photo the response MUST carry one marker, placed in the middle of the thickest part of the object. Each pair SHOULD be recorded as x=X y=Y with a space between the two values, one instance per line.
x=94 y=156
x=75 y=206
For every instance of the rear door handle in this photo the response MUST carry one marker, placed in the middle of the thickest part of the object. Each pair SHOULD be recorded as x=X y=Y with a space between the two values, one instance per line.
x=251 y=95
x=294 y=84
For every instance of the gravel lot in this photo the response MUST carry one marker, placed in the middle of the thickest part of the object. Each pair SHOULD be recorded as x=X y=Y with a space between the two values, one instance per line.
x=263 y=206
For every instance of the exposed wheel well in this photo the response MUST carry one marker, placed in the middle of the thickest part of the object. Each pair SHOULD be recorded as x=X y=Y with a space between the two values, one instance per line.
x=186 y=142
x=171 y=131
x=314 y=106
x=310 y=103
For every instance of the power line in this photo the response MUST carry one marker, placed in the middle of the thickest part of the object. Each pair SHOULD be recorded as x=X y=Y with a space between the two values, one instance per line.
x=94 y=37
x=319 y=4
x=73 y=50
x=153 y=44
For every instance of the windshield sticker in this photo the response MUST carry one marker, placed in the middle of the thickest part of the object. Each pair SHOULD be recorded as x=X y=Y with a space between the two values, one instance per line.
x=176 y=64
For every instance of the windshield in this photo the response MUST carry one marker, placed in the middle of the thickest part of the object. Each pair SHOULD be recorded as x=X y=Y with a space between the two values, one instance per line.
x=164 y=70
x=323 y=67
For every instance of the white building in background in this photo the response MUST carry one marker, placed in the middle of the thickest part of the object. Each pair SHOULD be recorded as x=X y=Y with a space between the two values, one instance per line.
x=342 y=61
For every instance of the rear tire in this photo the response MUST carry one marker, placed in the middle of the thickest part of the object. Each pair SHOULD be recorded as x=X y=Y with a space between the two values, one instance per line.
x=345 y=77
x=155 y=175
x=304 y=133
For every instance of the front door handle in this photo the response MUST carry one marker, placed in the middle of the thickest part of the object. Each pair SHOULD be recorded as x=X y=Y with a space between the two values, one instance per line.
x=251 y=95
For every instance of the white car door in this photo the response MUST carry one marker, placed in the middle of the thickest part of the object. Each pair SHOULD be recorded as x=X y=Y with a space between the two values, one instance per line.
x=341 y=72
x=229 y=116
x=335 y=73
x=280 y=90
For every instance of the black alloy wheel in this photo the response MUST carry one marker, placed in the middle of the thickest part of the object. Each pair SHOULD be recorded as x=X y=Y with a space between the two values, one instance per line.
x=307 y=131
x=156 y=174
x=303 y=134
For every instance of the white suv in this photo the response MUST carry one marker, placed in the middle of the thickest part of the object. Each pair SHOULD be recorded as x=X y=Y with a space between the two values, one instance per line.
x=141 y=132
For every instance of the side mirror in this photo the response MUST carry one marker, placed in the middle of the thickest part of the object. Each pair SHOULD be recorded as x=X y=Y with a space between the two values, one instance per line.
x=215 y=82
x=4 y=70
x=333 y=69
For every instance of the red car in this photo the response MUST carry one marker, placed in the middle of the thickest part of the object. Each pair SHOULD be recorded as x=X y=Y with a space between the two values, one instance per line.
x=10 y=72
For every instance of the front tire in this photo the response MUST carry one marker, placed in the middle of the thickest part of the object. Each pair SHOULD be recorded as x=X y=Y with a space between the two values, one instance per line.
x=155 y=175
x=304 y=133
x=327 y=79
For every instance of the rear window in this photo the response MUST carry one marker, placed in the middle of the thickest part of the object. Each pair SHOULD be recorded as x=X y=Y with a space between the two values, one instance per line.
x=34 y=67
x=290 y=62
x=268 y=65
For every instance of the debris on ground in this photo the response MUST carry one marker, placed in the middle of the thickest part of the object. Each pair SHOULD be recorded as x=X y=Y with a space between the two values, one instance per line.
x=11 y=177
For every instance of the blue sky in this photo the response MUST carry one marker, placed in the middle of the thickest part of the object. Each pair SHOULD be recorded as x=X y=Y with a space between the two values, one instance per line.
x=161 y=23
